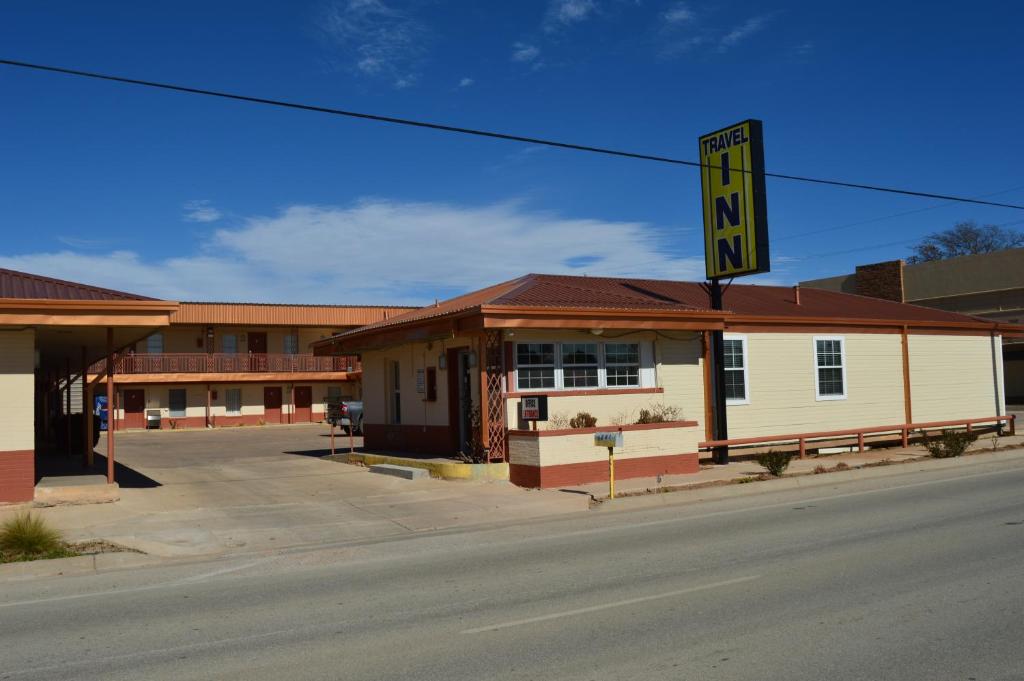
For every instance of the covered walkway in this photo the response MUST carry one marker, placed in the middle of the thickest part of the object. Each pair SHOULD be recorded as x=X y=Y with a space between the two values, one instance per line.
x=51 y=331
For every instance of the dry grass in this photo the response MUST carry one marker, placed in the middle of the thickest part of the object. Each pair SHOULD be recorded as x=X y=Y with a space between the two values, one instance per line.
x=29 y=537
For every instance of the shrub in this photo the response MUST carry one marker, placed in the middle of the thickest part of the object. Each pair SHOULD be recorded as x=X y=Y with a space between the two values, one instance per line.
x=950 y=444
x=477 y=451
x=558 y=421
x=774 y=462
x=27 y=536
x=583 y=420
x=842 y=466
x=820 y=469
x=659 y=413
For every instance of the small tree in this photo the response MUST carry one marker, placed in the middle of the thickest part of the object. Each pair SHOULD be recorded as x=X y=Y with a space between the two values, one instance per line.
x=583 y=420
x=965 y=238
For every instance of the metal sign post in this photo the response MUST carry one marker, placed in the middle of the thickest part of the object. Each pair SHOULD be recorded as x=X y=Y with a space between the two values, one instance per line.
x=735 y=234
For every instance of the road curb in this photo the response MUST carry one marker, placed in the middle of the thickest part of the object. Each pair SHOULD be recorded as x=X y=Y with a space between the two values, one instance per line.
x=656 y=499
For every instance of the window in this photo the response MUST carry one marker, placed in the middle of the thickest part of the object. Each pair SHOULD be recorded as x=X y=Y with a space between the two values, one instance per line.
x=830 y=368
x=584 y=365
x=176 y=400
x=233 y=400
x=291 y=344
x=395 y=390
x=579 y=365
x=536 y=364
x=155 y=343
x=229 y=344
x=735 y=370
x=622 y=364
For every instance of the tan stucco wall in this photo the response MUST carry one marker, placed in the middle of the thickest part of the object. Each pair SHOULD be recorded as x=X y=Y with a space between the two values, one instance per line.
x=556 y=450
x=411 y=356
x=781 y=385
x=17 y=390
x=158 y=397
x=955 y=377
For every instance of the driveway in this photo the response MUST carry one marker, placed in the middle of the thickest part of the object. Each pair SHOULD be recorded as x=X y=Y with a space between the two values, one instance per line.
x=259 y=488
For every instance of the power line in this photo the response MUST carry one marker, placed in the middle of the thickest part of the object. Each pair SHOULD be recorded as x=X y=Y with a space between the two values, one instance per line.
x=480 y=133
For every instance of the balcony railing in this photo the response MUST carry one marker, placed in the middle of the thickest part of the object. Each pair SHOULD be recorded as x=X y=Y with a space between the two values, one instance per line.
x=215 y=363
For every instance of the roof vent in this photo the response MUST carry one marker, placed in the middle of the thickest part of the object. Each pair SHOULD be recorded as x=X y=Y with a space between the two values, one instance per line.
x=796 y=294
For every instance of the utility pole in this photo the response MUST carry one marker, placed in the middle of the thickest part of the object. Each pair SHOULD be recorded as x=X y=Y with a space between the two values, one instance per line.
x=720 y=421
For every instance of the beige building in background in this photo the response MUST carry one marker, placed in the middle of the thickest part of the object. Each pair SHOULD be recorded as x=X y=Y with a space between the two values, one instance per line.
x=799 y=363
x=989 y=285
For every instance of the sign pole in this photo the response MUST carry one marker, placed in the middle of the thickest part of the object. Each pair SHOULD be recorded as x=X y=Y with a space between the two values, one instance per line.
x=720 y=421
x=611 y=472
x=332 y=439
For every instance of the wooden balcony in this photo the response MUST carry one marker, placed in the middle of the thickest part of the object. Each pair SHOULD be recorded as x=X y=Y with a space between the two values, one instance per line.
x=216 y=363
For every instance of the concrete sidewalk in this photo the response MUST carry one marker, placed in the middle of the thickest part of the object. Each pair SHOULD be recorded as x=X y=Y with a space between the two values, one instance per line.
x=258 y=489
x=747 y=470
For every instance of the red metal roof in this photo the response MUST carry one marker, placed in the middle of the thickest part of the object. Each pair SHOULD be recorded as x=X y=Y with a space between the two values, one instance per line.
x=655 y=295
x=24 y=285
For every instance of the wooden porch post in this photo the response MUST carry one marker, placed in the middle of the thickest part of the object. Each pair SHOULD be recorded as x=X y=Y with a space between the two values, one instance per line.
x=908 y=412
x=86 y=420
x=208 y=404
x=67 y=404
x=111 y=414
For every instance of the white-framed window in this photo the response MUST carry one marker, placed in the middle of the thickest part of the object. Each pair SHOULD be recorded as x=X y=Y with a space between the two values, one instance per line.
x=535 y=364
x=229 y=343
x=233 y=401
x=291 y=344
x=155 y=343
x=177 y=402
x=583 y=365
x=737 y=387
x=622 y=365
x=580 y=365
x=830 y=367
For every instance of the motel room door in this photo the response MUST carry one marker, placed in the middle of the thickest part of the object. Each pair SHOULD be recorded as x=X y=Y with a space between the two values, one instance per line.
x=257 y=351
x=272 y=404
x=460 y=398
x=135 y=408
x=303 y=404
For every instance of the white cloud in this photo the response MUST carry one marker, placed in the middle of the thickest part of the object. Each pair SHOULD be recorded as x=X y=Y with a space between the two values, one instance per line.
x=524 y=52
x=376 y=39
x=200 y=211
x=741 y=32
x=678 y=13
x=466 y=82
x=375 y=251
x=566 y=12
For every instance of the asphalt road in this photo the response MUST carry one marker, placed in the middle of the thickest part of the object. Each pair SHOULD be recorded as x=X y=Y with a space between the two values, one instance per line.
x=917 y=576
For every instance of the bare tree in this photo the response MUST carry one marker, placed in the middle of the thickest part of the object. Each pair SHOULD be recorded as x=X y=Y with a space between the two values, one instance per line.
x=965 y=238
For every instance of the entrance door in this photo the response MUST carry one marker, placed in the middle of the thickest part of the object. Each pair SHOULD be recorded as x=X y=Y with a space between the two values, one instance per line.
x=272 y=404
x=135 y=408
x=303 y=404
x=460 y=399
x=257 y=351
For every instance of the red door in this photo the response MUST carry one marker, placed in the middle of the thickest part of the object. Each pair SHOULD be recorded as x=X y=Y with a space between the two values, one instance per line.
x=134 y=408
x=257 y=351
x=303 y=404
x=272 y=404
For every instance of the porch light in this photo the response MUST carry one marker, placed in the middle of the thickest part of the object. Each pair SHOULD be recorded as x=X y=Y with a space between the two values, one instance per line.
x=442 y=362
x=597 y=332
x=471 y=359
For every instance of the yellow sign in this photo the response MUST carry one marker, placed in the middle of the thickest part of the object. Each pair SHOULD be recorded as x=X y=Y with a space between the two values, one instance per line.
x=735 y=214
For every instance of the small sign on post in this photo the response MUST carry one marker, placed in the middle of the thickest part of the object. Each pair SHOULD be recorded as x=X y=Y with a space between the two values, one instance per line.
x=534 y=408
x=610 y=441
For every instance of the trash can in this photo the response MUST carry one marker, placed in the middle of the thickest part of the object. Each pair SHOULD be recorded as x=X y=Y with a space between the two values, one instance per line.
x=152 y=419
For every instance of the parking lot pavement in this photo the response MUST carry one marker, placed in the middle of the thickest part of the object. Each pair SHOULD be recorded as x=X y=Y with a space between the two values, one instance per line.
x=261 y=488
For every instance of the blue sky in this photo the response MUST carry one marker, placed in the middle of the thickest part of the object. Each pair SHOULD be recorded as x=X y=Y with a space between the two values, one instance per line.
x=194 y=198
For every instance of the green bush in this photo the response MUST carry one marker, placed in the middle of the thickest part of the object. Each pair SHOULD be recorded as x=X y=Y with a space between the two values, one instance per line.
x=27 y=537
x=583 y=420
x=774 y=462
x=950 y=444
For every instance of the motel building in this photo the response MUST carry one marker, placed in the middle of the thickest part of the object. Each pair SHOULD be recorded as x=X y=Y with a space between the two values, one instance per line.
x=172 y=365
x=803 y=367
x=232 y=364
